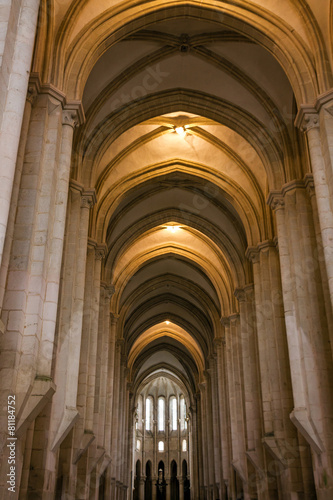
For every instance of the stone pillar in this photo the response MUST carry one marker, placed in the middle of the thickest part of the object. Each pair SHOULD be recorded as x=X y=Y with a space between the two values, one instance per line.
x=13 y=90
x=154 y=488
x=181 y=488
x=223 y=410
x=215 y=422
x=116 y=459
x=206 y=473
x=111 y=322
x=308 y=180
x=194 y=450
x=235 y=397
x=309 y=122
x=35 y=265
x=142 y=487
x=168 y=488
x=31 y=96
x=64 y=412
x=251 y=391
x=103 y=359
x=307 y=329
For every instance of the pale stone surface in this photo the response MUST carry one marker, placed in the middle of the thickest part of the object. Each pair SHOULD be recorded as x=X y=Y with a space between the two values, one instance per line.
x=139 y=261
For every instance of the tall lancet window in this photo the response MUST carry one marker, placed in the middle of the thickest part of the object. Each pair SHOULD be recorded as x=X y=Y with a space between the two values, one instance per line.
x=173 y=413
x=161 y=414
x=149 y=413
x=183 y=422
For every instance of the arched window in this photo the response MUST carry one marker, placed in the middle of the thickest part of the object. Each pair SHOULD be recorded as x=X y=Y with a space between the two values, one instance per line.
x=183 y=422
x=173 y=413
x=161 y=446
x=149 y=413
x=161 y=414
x=184 y=445
x=138 y=424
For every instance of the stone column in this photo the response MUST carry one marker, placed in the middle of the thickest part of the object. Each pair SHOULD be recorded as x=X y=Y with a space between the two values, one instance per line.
x=307 y=330
x=64 y=411
x=142 y=487
x=31 y=96
x=308 y=180
x=251 y=390
x=194 y=450
x=211 y=455
x=13 y=96
x=56 y=242
x=168 y=488
x=154 y=490
x=215 y=423
x=309 y=122
x=223 y=409
x=111 y=322
x=181 y=487
x=103 y=356
x=203 y=436
x=115 y=411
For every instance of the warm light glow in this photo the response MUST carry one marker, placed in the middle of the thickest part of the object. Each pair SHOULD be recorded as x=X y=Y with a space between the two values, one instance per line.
x=168 y=322
x=173 y=229
x=180 y=131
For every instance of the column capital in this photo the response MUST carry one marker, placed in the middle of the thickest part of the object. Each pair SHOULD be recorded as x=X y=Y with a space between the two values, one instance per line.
x=225 y=321
x=307 y=118
x=309 y=184
x=32 y=93
x=293 y=186
x=252 y=254
x=240 y=294
x=100 y=252
x=88 y=198
x=219 y=341
x=69 y=117
x=266 y=245
x=109 y=291
x=120 y=342
x=70 y=107
x=75 y=107
x=76 y=186
x=275 y=200
x=249 y=288
x=234 y=317
x=114 y=317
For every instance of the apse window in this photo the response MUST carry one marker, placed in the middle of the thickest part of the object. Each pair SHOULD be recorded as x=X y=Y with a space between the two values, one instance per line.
x=161 y=414
x=183 y=422
x=173 y=413
x=149 y=413
x=138 y=444
x=160 y=446
x=184 y=445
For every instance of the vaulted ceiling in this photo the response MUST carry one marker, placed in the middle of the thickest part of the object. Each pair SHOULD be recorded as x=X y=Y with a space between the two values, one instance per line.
x=177 y=211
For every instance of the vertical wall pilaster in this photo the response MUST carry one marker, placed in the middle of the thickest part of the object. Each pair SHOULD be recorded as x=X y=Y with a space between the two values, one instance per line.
x=307 y=327
x=13 y=95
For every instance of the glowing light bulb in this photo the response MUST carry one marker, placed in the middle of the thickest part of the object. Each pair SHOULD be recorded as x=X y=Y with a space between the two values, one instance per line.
x=180 y=131
x=168 y=322
x=173 y=229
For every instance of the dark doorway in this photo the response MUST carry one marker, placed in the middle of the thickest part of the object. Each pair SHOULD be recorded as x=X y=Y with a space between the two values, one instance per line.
x=161 y=493
x=136 y=492
x=148 y=484
x=174 y=483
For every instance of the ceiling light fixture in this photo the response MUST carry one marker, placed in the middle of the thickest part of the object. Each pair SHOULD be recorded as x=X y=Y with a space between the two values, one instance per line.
x=168 y=322
x=180 y=131
x=172 y=229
